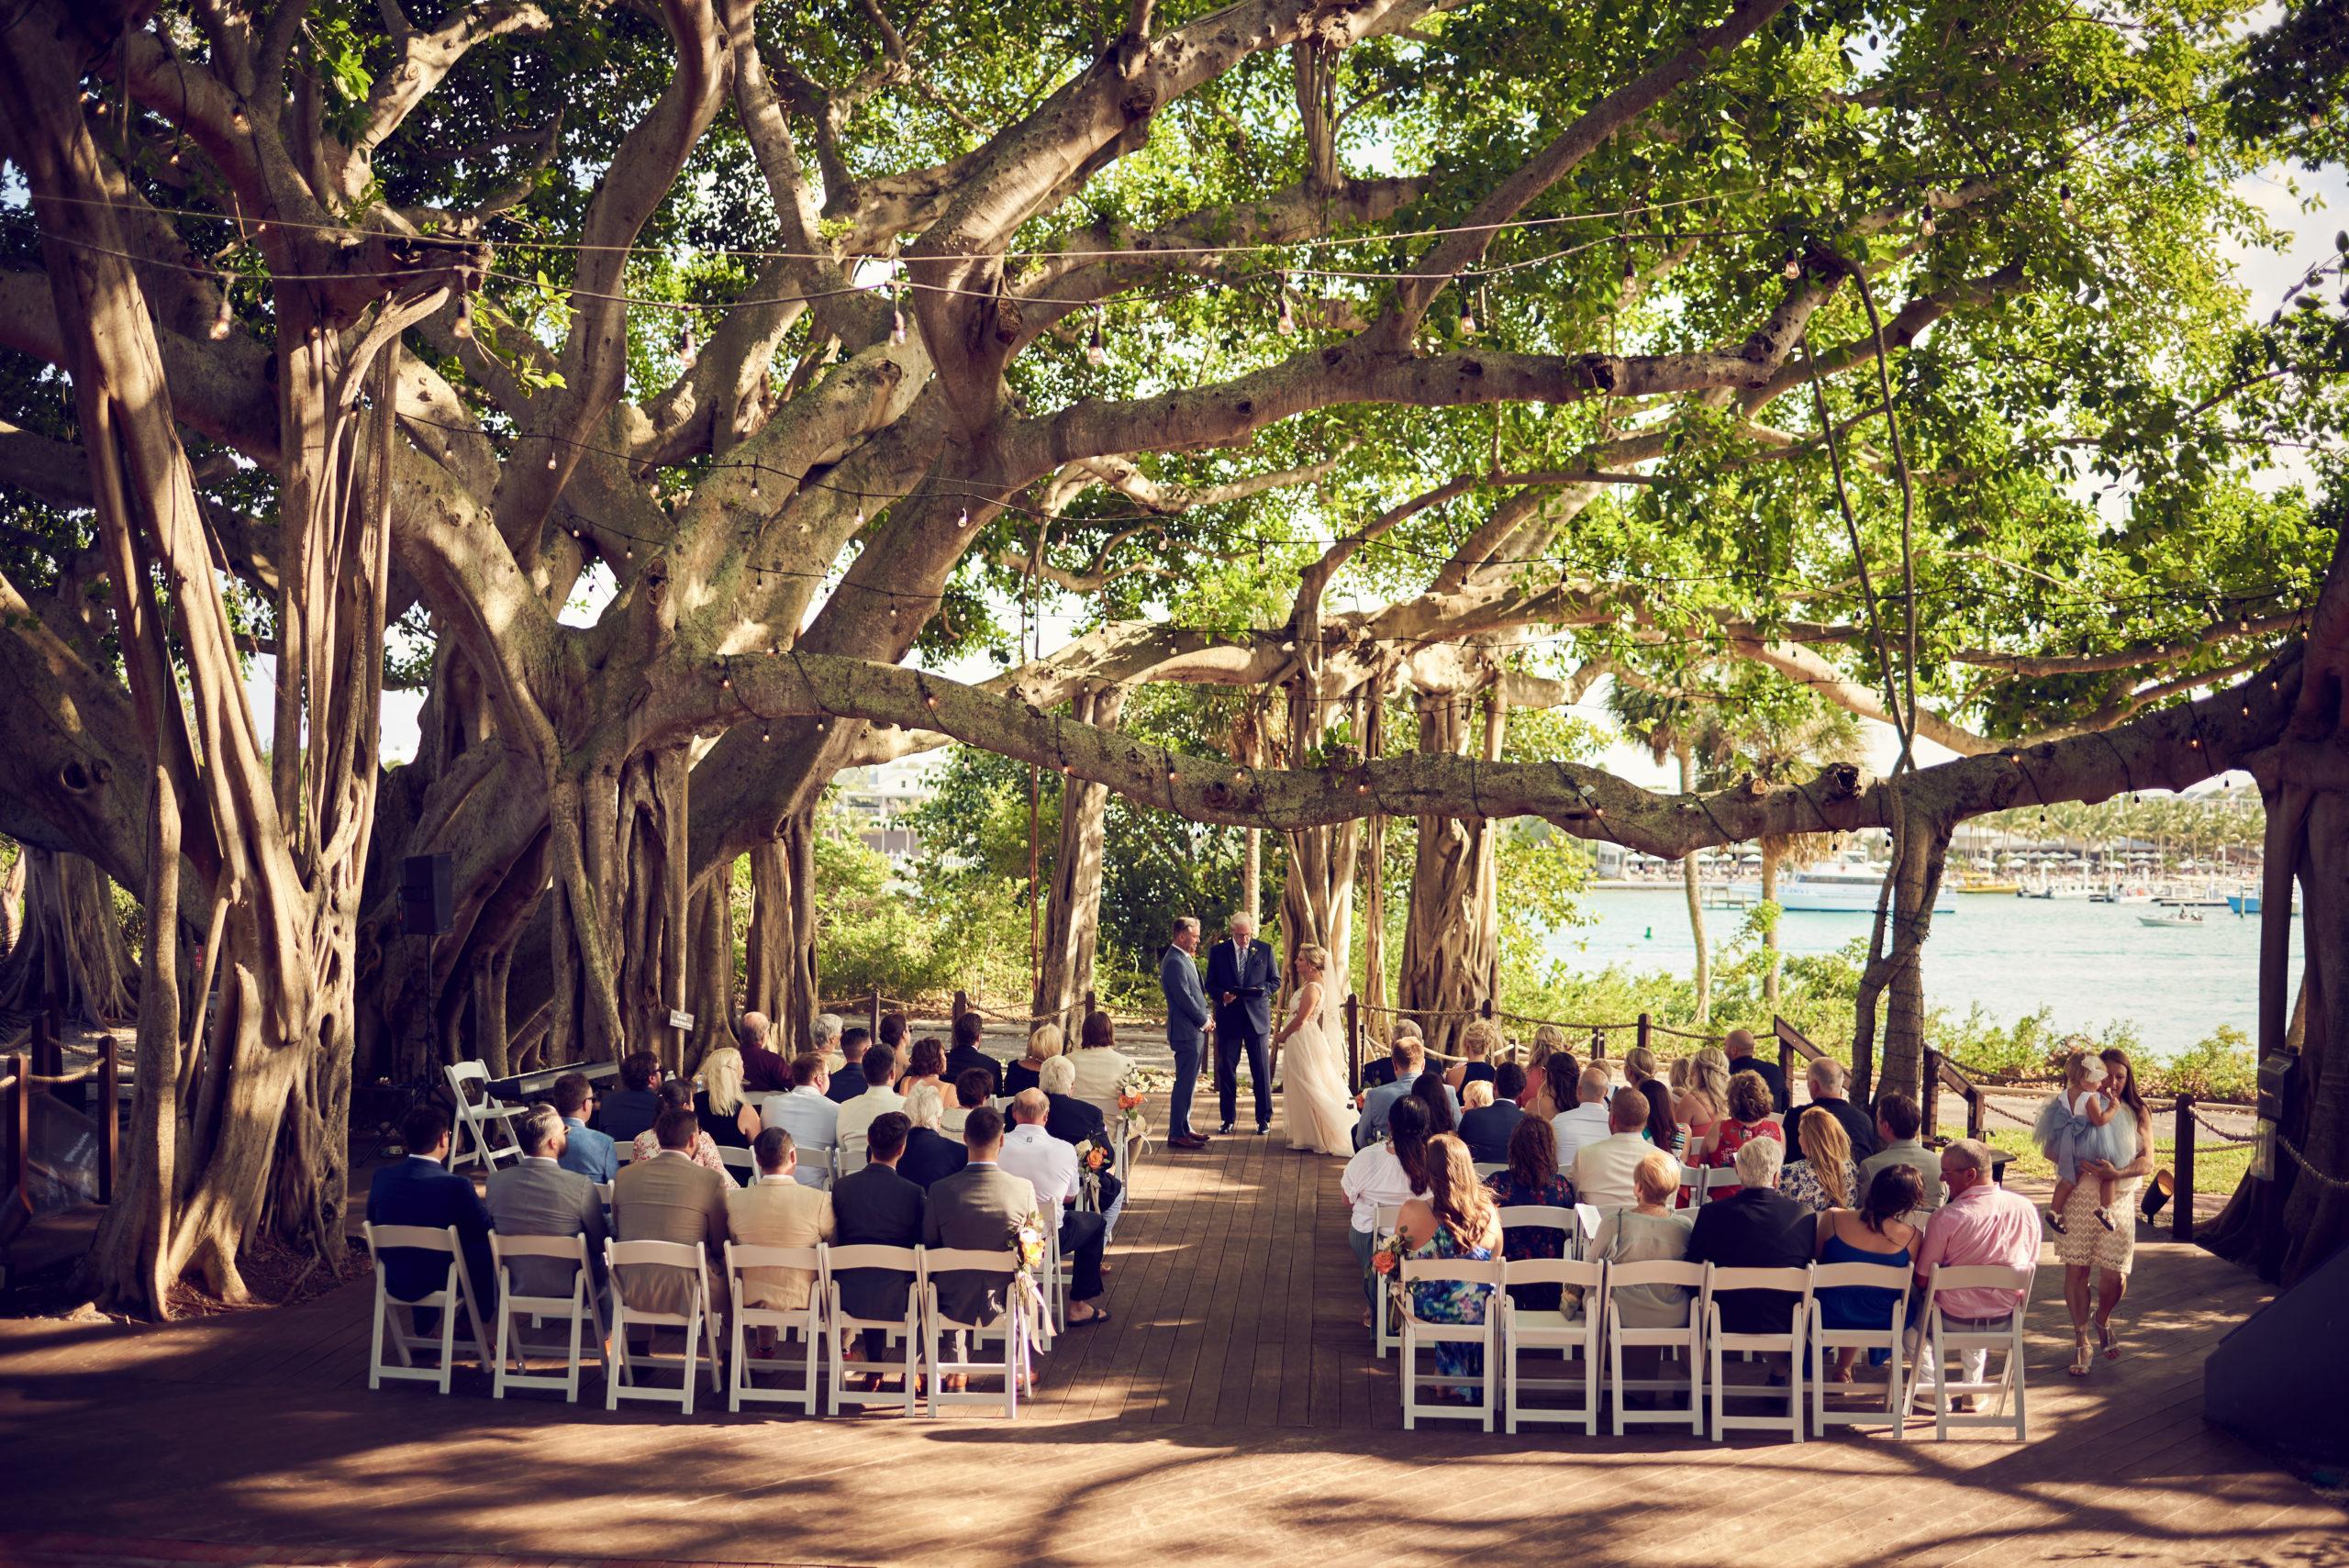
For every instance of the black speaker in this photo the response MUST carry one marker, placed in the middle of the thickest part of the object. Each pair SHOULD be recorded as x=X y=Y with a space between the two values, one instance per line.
x=428 y=894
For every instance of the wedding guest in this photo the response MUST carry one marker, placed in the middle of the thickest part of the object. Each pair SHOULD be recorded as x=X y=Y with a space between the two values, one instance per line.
x=1639 y=1066
x=1042 y=1046
x=1532 y=1180
x=1826 y=1176
x=536 y=1196
x=1486 y=1129
x=824 y=1039
x=585 y=1151
x=1875 y=1231
x=422 y=1190
x=1385 y=1175
x=1982 y=1223
x=925 y=1064
x=1076 y=1121
x=1101 y=1068
x=1700 y=1103
x=1746 y=1121
x=966 y=1054
x=1478 y=1044
x=1602 y=1169
x=973 y=1088
x=670 y=1197
x=807 y=1114
x=980 y=1207
x=1408 y=1054
x=1663 y=1130
x=730 y=1120
x=1378 y=1073
x=1757 y=1227
x=876 y=1206
x=675 y=1093
x=1826 y=1078
x=1649 y=1232
x=1476 y=1096
x=880 y=1072
x=848 y=1075
x=1444 y=1106
x=1898 y=1121
x=1587 y=1121
x=1555 y=1074
x=630 y=1109
x=1456 y=1221
x=778 y=1210
x=1050 y=1166
x=894 y=1030
x=1739 y=1048
x=765 y=1071
x=929 y=1155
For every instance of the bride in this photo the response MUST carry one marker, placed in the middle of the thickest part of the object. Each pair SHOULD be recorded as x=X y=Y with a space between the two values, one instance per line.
x=1314 y=1102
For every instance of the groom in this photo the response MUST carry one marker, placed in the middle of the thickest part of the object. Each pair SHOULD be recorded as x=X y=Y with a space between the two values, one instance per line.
x=1242 y=977
x=1187 y=1021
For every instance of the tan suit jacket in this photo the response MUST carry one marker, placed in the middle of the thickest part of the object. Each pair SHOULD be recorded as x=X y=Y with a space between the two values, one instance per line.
x=778 y=1213
x=670 y=1198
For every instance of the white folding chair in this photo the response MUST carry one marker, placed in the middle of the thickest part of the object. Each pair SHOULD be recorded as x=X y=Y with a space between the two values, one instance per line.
x=1009 y=1328
x=1490 y=1168
x=456 y=1292
x=603 y=1194
x=1382 y=1288
x=820 y=1162
x=1419 y=1332
x=477 y=1119
x=1058 y=1278
x=1524 y=1329
x=1718 y=1342
x=803 y=1323
x=838 y=1325
x=1945 y=1340
x=740 y=1165
x=696 y=1320
x=848 y=1157
x=1694 y=1178
x=1683 y=1339
x=580 y=1310
x=1892 y=1278
x=1587 y=1221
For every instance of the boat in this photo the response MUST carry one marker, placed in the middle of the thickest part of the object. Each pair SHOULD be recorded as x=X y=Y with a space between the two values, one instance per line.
x=1838 y=890
x=2244 y=902
x=2177 y=915
x=1979 y=884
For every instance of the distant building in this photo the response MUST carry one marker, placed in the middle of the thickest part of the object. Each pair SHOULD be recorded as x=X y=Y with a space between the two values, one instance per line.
x=879 y=804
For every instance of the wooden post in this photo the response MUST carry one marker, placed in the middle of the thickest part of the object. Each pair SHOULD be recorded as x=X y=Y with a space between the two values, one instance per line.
x=20 y=1129
x=962 y=1005
x=1090 y=1006
x=1644 y=1031
x=2182 y=1216
x=1598 y=1045
x=1931 y=1108
x=1974 y=1111
x=876 y=1015
x=48 y=1055
x=109 y=1128
x=1354 y=1043
x=1485 y=1008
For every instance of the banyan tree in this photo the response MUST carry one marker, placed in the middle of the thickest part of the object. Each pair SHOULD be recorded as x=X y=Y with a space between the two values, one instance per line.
x=666 y=394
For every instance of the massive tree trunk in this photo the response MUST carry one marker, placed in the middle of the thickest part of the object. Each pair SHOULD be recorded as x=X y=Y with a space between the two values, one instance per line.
x=709 y=975
x=69 y=952
x=1692 y=887
x=1450 y=937
x=779 y=961
x=1920 y=836
x=1073 y=916
x=1771 y=856
x=1318 y=895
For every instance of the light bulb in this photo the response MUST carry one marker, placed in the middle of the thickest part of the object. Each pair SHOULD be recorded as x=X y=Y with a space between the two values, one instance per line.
x=2064 y=195
x=221 y=320
x=1096 y=351
x=1793 y=268
x=239 y=121
x=1925 y=224
x=551 y=462
x=766 y=735
x=1287 y=322
x=688 y=353
x=465 y=327
x=2193 y=140
x=896 y=326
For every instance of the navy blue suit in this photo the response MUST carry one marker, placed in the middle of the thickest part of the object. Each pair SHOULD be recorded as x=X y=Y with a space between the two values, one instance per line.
x=930 y=1155
x=1187 y=1023
x=418 y=1191
x=1245 y=1022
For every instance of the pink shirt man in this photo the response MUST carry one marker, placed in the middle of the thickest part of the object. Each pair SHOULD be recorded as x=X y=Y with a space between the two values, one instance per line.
x=1982 y=1223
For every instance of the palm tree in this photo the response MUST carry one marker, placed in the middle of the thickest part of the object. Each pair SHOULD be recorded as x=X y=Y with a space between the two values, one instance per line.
x=1668 y=722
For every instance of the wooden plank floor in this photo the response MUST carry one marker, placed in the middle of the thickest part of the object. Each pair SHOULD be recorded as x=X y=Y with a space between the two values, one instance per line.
x=1231 y=1410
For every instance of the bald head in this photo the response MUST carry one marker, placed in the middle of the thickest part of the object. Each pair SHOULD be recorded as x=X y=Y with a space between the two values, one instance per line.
x=1030 y=1108
x=754 y=1031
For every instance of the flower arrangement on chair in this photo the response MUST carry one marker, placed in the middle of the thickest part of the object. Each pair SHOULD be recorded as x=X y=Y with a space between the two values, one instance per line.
x=1134 y=1127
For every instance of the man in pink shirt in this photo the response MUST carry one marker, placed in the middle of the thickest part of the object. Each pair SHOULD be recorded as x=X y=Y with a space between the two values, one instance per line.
x=1981 y=1223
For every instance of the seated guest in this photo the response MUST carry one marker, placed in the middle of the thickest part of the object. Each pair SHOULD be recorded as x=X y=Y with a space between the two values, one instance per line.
x=1639 y=1066
x=669 y=1196
x=973 y=1088
x=584 y=1150
x=676 y=1094
x=422 y=1190
x=925 y=1064
x=927 y=1154
x=1602 y=1173
x=1386 y=1174
x=1587 y=1121
x=730 y=1120
x=1076 y=1121
x=1050 y=1166
x=1409 y=1055
x=895 y=1030
x=824 y=1039
x=536 y=1196
x=1757 y=1228
x=1826 y=1078
x=1532 y=1180
x=1477 y=1095
x=1826 y=1176
x=1541 y=1098
x=765 y=1071
x=880 y=1072
x=1649 y=1232
x=630 y=1109
x=1458 y=1222
x=849 y=1076
x=807 y=1114
x=1738 y=1046
x=1101 y=1067
x=876 y=1206
x=1746 y=1120
x=1444 y=1106
x=1702 y=1100
x=1877 y=1231
x=1897 y=1120
x=980 y=1208
x=1663 y=1131
x=1486 y=1129
x=775 y=1210
x=1378 y=1073
x=1479 y=1042
x=1042 y=1046
x=966 y=1054
x=1981 y=1223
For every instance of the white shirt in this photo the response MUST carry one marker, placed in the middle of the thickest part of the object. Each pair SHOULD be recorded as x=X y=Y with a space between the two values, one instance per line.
x=1602 y=1171
x=1049 y=1164
x=1374 y=1179
x=1585 y=1124
x=857 y=1114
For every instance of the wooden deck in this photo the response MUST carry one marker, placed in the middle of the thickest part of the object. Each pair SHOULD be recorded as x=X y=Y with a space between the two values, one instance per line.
x=1230 y=1411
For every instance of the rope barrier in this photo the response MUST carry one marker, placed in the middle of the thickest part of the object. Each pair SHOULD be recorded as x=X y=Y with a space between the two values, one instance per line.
x=2323 y=1178
x=2226 y=1138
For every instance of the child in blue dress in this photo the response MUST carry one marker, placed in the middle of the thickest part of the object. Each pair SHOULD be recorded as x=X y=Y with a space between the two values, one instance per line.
x=2083 y=1123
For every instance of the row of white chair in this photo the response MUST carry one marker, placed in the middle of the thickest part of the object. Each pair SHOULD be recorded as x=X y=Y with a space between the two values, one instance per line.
x=1694 y=1180
x=1702 y=1344
x=921 y=1338
x=1580 y=1223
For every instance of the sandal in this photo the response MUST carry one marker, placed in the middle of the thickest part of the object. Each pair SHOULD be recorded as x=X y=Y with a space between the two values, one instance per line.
x=2083 y=1359
x=2111 y=1342
x=2055 y=1222
x=2104 y=1217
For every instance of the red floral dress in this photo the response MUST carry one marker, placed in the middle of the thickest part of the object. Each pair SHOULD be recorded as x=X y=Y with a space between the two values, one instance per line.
x=1735 y=1135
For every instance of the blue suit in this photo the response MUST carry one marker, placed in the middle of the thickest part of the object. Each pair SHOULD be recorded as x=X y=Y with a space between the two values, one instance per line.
x=1371 y=1126
x=589 y=1153
x=1250 y=978
x=419 y=1191
x=1186 y=1022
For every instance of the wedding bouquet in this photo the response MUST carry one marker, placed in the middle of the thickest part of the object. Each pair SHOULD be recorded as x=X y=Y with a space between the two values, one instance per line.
x=1130 y=1092
x=1032 y=1244
x=1388 y=1254
x=1092 y=1161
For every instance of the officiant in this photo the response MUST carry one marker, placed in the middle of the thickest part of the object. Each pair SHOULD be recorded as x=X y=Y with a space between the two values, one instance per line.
x=1242 y=977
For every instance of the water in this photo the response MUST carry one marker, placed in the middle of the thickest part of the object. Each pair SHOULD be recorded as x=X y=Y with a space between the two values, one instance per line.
x=2089 y=964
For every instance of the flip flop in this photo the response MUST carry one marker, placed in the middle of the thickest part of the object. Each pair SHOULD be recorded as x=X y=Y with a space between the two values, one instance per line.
x=1100 y=1315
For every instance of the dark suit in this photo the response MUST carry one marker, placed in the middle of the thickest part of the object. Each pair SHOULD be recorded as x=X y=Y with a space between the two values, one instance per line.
x=539 y=1197
x=420 y=1191
x=1073 y=1121
x=1244 y=1023
x=1186 y=1022
x=1485 y=1131
x=1768 y=1072
x=980 y=1207
x=963 y=1058
x=930 y=1155
x=876 y=1207
x=627 y=1112
x=847 y=1083
x=1756 y=1228
x=1858 y=1125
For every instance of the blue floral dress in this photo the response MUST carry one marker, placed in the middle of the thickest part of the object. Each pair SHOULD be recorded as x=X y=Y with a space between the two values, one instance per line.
x=1524 y=1242
x=1453 y=1301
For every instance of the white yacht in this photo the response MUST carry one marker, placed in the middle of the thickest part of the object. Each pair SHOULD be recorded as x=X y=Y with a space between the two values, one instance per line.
x=1838 y=890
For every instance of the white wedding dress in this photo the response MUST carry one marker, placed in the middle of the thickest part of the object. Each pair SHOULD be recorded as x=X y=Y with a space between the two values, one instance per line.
x=1314 y=1101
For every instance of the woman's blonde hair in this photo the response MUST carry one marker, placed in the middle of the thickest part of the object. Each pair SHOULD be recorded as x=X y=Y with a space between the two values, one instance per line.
x=1458 y=1199
x=1828 y=1148
x=1046 y=1042
x=1480 y=1040
x=721 y=1080
x=1315 y=954
x=1639 y=1066
x=1657 y=1177
x=1678 y=1077
x=1709 y=1072
x=1477 y=1093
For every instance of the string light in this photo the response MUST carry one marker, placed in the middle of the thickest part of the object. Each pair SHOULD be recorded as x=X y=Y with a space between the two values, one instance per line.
x=687 y=353
x=240 y=121
x=1286 y=322
x=897 y=323
x=2063 y=195
x=754 y=485
x=1467 y=313
x=1793 y=269
x=551 y=462
x=221 y=319
x=2193 y=141
x=1925 y=224
x=1096 y=351
x=465 y=327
